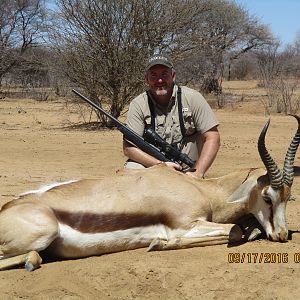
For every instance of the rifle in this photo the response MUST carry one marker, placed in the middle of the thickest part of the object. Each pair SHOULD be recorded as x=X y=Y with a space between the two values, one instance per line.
x=153 y=144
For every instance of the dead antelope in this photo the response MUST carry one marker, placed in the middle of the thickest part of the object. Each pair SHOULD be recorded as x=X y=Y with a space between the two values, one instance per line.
x=156 y=207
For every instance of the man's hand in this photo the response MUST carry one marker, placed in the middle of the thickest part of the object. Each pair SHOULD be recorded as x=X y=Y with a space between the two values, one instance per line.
x=173 y=165
x=195 y=174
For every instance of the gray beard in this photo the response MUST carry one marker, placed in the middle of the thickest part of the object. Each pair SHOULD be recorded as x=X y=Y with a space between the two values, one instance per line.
x=161 y=92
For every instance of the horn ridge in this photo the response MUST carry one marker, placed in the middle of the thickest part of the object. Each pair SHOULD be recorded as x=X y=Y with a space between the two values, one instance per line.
x=288 y=168
x=274 y=173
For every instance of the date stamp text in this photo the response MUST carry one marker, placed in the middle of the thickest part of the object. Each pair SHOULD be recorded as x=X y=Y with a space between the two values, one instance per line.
x=262 y=258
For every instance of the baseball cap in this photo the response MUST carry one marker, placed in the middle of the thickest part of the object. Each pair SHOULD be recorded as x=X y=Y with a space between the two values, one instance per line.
x=159 y=60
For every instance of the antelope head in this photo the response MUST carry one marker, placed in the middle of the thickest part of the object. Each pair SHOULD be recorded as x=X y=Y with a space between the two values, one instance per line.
x=276 y=190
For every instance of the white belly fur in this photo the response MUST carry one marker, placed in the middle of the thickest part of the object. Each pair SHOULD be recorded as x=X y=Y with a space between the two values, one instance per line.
x=72 y=243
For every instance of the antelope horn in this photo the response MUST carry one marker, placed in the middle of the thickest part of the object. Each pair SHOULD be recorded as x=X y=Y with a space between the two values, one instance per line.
x=274 y=173
x=288 y=168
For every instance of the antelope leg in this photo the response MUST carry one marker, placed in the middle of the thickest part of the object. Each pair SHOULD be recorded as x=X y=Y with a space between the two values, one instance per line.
x=32 y=261
x=181 y=243
x=202 y=234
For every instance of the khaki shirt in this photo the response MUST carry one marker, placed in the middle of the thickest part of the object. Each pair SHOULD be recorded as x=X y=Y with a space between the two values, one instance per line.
x=197 y=116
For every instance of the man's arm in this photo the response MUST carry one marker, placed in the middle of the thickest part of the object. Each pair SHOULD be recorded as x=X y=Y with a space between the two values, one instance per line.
x=144 y=158
x=138 y=155
x=135 y=121
x=210 y=141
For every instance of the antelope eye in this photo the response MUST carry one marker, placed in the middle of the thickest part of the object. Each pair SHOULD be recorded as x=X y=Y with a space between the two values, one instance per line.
x=268 y=200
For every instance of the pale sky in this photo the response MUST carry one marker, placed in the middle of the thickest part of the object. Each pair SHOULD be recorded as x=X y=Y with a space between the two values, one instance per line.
x=282 y=16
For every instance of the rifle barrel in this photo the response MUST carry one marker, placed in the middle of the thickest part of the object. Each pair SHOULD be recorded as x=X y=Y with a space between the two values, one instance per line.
x=116 y=121
x=128 y=134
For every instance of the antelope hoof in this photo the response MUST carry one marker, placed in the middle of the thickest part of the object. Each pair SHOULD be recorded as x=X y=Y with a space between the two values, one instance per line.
x=156 y=244
x=236 y=234
x=32 y=261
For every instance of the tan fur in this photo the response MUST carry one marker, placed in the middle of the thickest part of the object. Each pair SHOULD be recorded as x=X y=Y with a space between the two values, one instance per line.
x=157 y=195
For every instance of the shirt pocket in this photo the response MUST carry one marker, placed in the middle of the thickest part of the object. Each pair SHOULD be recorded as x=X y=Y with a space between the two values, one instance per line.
x=160 y=126
x=175 y=131
x=188 y=123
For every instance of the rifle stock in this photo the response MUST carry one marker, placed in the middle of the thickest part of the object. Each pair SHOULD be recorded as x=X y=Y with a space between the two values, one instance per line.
x=129 y=135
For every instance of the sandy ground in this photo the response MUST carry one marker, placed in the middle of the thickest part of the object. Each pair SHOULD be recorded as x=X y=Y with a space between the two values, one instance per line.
x=36 y=148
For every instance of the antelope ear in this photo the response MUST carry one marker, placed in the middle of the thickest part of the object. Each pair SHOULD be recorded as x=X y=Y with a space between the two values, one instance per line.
x=263 y=180
x=296 y=171
x=242 y=193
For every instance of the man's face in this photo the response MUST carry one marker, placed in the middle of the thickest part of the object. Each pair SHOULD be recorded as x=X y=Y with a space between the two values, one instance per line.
x=160 y=80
